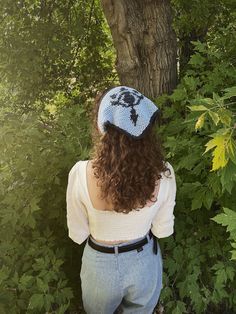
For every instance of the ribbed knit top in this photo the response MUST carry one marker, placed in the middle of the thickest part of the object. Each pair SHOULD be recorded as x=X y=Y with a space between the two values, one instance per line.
x=83 y=219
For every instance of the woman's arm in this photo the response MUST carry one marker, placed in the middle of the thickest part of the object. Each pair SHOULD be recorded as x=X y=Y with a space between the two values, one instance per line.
x=163 y=222
x=77 y=217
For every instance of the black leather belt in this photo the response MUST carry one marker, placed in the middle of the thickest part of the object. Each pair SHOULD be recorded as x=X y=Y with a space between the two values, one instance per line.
x=125 y=248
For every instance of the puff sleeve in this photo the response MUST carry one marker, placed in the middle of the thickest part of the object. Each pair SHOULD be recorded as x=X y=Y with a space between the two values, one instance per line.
x=77 y=217
x=163 y=221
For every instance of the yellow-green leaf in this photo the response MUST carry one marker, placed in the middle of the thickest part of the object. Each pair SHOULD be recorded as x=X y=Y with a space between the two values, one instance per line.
x=197 y=108
x=225 y=116
x=231 y=150
x=231 y=146
x=210 y=144
x=219 y=157
x=214 y=116
x=200 y=121
x=51 y=108
x=230 y=92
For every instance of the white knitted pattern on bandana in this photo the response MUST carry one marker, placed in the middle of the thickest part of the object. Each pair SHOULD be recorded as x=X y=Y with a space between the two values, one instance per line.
x=126 y=109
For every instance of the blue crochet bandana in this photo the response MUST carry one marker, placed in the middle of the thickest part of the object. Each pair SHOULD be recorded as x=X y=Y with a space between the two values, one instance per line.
x=127 y=110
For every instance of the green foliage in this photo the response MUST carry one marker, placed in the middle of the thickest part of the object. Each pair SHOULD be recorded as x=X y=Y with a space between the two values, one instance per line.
x=223 y=140
x=228 y=218
x=51 y=46
x=37 y=152
x=54 y=56
x=199 y=263
x=195 y=20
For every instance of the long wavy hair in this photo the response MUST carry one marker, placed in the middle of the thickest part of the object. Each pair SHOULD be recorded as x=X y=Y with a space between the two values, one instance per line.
x=127 y=170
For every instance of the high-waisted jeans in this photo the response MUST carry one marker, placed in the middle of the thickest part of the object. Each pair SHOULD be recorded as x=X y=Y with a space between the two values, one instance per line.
x=130 y=280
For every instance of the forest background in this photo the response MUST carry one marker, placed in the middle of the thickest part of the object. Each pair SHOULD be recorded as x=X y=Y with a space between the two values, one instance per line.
x=54 y=57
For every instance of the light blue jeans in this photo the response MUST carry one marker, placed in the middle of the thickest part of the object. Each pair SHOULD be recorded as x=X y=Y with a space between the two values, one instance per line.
x=130 y=280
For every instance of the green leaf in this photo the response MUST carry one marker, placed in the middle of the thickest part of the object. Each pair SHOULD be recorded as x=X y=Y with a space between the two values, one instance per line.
x=179 y=94
x=228 y=218
x=43 y=287
x=25 y=280
x=207 y=101
x=208 y=199
x=198 y=108
x=221 y=277
x=67 y=292
x=36 y=301
x=4 y=273
x=197 y=59
x=214 y=116
x=233 y=257
x=228 y=176
x=230 y=92
x=62 y=309
x=230 y=271
x=217 y=99
x=172 y=266
x=180 y=308
x=225 y=116
x=48 y=301
x=191 y=82
x=196 y=203
x=231 y=150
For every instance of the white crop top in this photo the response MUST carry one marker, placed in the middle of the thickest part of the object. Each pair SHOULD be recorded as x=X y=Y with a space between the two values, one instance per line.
x=83 y=219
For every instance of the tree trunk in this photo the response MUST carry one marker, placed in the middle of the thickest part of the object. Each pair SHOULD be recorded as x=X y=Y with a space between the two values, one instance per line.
x=145 y=44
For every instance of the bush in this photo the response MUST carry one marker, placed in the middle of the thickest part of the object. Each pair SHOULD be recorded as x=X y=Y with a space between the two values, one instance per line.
x=199 y=263
x=36 y=253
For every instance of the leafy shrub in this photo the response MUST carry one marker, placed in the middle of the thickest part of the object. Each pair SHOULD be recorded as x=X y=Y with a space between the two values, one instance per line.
x=37 y=152
x=199 y=267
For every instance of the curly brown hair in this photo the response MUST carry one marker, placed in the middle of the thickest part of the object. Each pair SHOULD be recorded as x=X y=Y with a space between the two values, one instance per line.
x=127 y=169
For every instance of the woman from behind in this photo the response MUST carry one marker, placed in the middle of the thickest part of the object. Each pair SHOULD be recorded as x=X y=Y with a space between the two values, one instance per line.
x=125 y=201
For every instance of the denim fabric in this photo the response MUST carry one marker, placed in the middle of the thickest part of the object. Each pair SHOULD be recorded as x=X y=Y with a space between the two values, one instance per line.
x=130 y=280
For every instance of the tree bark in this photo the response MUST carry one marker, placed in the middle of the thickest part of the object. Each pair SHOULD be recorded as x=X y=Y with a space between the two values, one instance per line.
x=145 y=44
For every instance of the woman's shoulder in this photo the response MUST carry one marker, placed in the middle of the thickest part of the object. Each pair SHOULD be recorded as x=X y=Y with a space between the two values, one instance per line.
x=171 y=169
x=76 y=168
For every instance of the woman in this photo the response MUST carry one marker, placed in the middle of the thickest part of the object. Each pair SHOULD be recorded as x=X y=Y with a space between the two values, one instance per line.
x=120 y=202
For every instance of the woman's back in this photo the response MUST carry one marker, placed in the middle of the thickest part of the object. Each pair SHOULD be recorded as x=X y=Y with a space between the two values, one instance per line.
x=90 y=216
x=94 y=190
